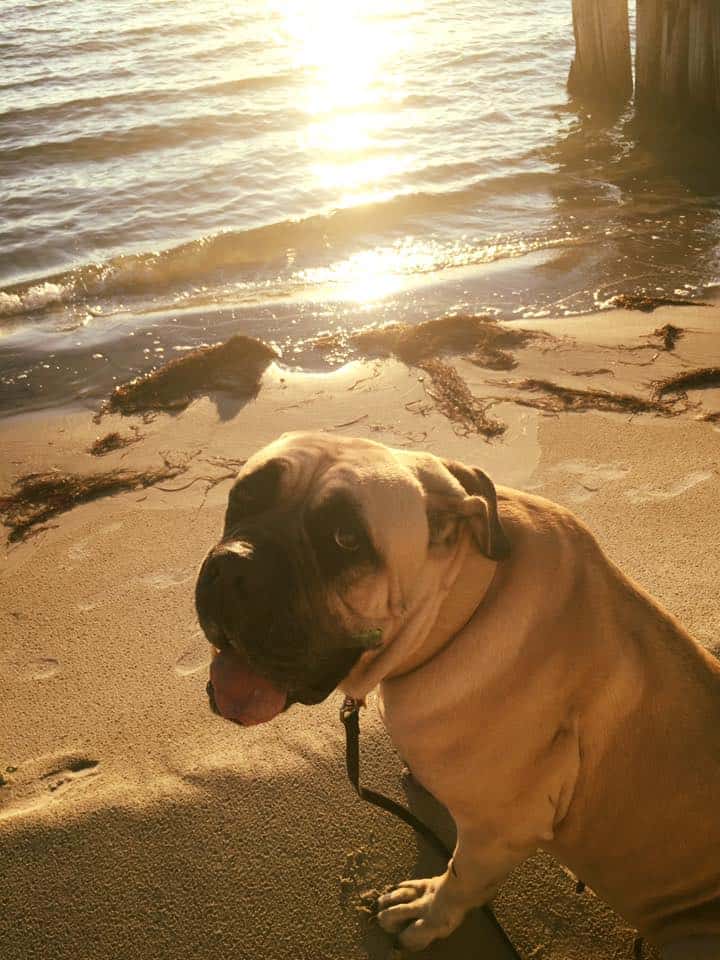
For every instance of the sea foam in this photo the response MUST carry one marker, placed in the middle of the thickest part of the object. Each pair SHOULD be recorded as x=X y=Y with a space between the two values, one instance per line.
x=34 y=298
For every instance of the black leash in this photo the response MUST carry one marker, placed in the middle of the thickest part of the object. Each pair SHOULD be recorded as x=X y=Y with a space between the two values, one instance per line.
x=350 y=716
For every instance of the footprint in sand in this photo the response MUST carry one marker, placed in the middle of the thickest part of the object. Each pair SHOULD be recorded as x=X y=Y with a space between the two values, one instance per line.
x=165 y=580
x=649 y=494
x=195 y=658
x=14 y=667
x=588 y=478
x=80 y=550
x=39 y=782
x=64 y=776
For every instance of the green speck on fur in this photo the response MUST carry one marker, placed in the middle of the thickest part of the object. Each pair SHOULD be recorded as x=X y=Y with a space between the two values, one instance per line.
x=369 y=638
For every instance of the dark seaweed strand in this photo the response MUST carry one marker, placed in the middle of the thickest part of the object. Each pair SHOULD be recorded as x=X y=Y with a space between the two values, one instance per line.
x=701 y=378
x=38 y=497
x=574 y=398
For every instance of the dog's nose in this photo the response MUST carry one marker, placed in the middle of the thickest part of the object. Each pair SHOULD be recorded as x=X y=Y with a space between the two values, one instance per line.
x=225 y=590
x=228 y=566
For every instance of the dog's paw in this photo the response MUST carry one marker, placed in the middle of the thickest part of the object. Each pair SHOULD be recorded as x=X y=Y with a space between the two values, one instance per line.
x=414 y=910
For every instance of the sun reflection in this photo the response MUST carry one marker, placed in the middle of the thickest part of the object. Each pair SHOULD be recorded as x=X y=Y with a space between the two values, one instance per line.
x=348 y=48
x=351 y=53
x=371 y=275
x=365 y=277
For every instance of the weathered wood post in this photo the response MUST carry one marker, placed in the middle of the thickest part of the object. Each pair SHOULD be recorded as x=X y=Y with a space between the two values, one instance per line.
x=704 y=59
x=677 y=64
x=648 y=41
x=601 y=72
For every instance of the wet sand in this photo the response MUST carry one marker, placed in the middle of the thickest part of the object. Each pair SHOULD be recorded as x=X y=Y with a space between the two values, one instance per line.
x=133 y=822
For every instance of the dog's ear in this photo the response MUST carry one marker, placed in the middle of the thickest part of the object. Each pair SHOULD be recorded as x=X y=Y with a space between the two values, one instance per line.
x=479 y=507
x=454 y=491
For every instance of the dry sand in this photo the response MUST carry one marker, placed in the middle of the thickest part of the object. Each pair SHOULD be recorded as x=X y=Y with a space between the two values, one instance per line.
x=136 y=824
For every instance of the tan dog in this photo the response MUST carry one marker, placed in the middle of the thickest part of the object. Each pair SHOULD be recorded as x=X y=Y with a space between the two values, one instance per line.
x=539 y=694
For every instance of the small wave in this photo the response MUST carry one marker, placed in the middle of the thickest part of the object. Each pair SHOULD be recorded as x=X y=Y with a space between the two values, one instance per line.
x=49 y=45
x=111 y=145
x=74 y=108
x=311 y=241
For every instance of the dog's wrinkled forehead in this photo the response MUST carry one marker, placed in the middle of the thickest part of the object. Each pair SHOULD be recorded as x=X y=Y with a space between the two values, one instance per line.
x=313 y=466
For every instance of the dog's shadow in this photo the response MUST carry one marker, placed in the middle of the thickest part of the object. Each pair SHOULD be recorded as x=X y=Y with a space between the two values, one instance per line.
x=477 y=936
x=546 y=915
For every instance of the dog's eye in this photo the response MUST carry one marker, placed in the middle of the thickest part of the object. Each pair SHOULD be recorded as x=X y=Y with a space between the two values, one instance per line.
x=347 y=539
x=443 y=528
x=339 y=538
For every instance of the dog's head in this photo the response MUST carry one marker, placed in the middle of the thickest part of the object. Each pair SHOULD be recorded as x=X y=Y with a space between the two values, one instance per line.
x=330 y=544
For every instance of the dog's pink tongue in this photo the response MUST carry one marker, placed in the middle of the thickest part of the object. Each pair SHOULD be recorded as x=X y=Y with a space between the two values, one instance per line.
x=242 y=695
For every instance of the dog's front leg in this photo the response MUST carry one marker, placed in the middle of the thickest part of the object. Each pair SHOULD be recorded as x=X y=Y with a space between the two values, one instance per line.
x=421 y=911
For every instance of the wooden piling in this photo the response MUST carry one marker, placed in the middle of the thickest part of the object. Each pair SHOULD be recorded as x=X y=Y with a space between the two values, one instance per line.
x=601 y=73
x=677 y=63
x=674 y=52
x=648 y=41
x=704 y=58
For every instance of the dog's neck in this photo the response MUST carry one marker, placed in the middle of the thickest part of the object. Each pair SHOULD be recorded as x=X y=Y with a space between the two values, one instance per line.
x=460 y=603
x=443 y=609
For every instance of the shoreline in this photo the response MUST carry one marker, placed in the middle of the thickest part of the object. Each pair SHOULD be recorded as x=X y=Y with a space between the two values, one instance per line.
x=193 y=838
x=83 y=362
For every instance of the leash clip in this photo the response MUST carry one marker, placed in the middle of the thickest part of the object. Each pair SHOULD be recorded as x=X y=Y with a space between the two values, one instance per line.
x=349 y=707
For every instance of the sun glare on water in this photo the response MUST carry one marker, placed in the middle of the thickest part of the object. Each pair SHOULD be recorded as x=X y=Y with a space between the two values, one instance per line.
x=351 y=54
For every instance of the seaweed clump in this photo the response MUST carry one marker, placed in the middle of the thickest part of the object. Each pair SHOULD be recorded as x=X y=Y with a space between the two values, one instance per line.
x=37 y=497
x=458 y=333
x=482 y=339
x=455 y=400
x=669 y=334
x=637 y=301
x=560 y=399
x=702 y=378
x=234 y=366
x=113 y=441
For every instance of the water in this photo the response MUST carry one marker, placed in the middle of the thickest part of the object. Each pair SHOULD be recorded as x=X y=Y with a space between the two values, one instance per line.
x=175 y=171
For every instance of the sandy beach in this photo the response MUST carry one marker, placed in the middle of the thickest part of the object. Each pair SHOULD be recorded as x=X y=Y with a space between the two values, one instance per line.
x=136 y=824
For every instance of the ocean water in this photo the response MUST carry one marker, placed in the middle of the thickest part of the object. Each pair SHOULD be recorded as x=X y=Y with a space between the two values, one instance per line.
x=176 y=171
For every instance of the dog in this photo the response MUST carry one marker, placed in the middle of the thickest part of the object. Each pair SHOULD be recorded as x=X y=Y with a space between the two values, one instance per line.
x=536 y=691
